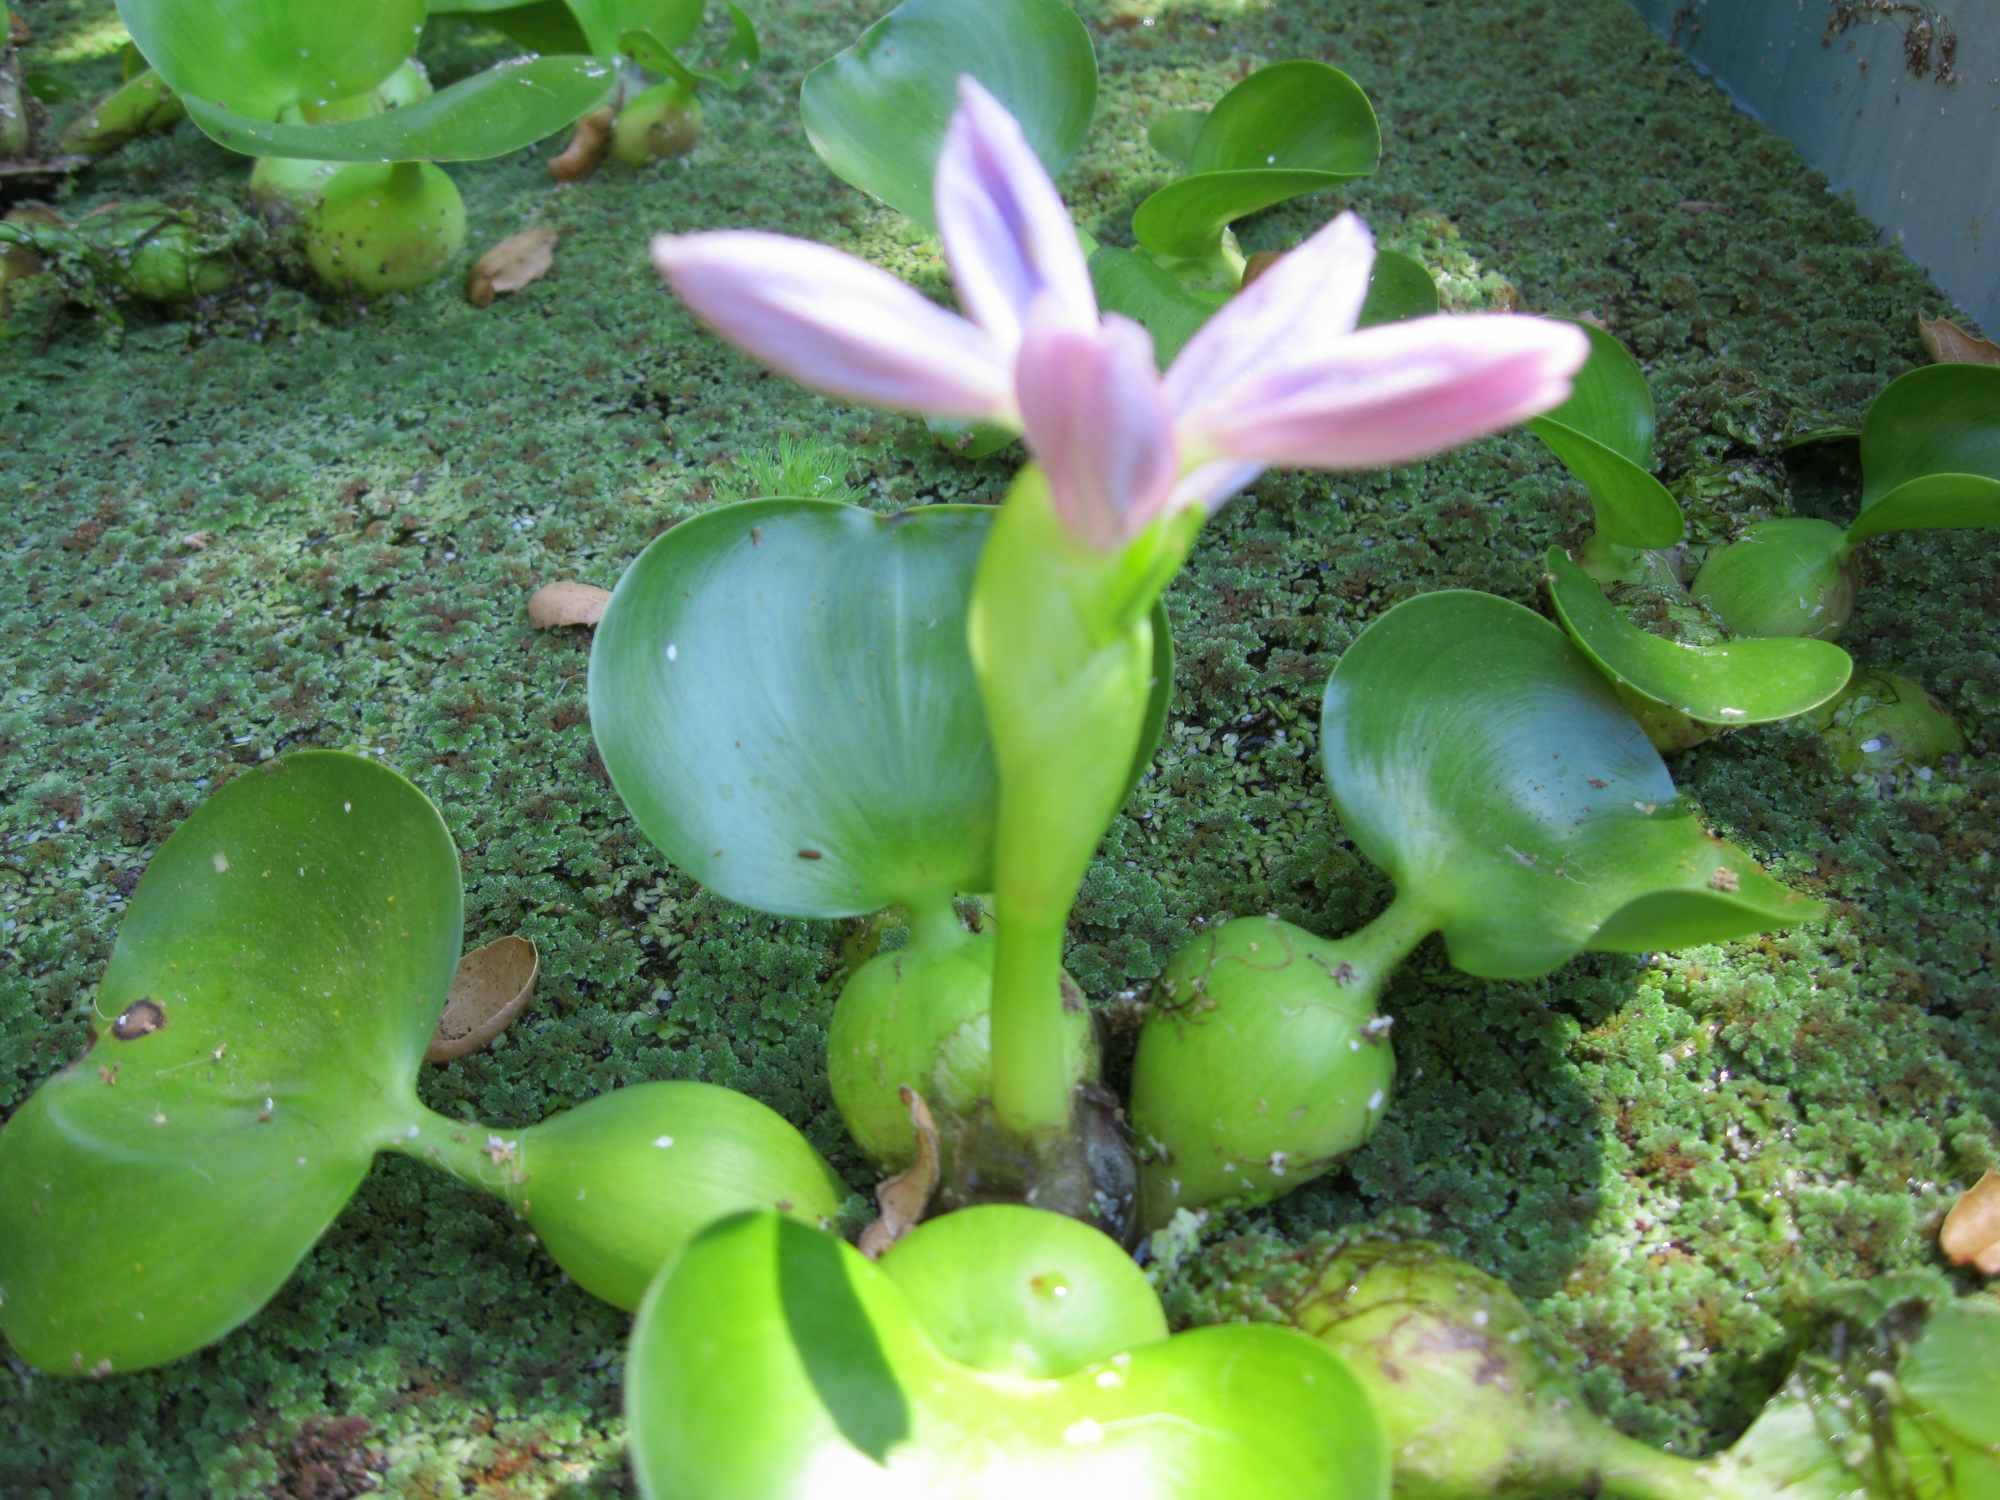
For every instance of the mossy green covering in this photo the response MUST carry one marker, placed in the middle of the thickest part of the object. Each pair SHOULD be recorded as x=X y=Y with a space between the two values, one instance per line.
x=281 y=522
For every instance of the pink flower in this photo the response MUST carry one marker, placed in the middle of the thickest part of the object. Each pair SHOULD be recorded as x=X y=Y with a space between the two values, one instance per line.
x=1278 y=376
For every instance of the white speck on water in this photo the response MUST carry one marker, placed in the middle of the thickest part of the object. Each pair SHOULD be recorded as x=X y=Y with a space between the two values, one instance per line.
x=221 y=862
x=664 y=1142
x=673 y=652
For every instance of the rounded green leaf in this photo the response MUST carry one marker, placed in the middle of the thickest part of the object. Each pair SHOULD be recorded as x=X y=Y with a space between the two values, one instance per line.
x=251 y=58
x=616 y=1187
x=1149 y=294
x=1294 y=127
x=1789 y=577
x=1747 y=681
x=1485 y=764
x=876 y=113
x=1604 y=436
x=510 y=105
x=257 y=1037
x=1930 y=451
x=605 y=22
x=781 y=692
x=1399 y=287
x=546 y=26
x=729 y=70
x=1174 y=132
x=1006 y=1288
x=775 y=1363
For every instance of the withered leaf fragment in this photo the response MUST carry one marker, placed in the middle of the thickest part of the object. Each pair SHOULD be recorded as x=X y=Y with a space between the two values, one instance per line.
x=512 y=264
x=586 y=148
x=903 y=1198
x=492 y=986
x=1971 y=1232
x=1948 y=344
x=567 y=603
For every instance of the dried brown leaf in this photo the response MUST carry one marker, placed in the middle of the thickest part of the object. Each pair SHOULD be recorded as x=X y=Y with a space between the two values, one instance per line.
x=903 y=1198
x=492 y=986
x=1971 y=1233
x=1949 y=344
x=512 y=264
x=567 y=603
x=586 y=148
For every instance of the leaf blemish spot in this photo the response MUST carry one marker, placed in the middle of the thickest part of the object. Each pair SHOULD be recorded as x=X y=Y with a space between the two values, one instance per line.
x=142 y=1017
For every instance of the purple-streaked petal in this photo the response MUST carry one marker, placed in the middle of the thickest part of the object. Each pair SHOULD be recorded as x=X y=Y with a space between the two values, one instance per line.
x=1209 y=485
x=1395 y=393
x=1305 y=302
x=1095 y=420
x=1006 y=233
x=837 y=324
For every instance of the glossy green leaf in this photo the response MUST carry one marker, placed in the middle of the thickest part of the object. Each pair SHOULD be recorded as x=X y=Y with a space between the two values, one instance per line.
x=510 y=105
x=545 y=26
x=730 y=70
x=252 y=58
x=876 y=113
x=781 y=693
x=1007 y=1288
x=605 y=22
x=1789 y=577
x=775 y=1363
x=1604 y=435
x=1485 y=764
x=1146 y=292
x=1399 y=287
x=1294 y=127
x=1173 y=134
x=1930 y=451
x=1747 y=681
x=257 y=1037
x=1892 y=1396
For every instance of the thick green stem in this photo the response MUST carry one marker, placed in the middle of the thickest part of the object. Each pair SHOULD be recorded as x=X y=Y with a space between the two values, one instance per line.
x=1376 y=948
x=934 y=924
x=477 y=1156
x=1628 y=1469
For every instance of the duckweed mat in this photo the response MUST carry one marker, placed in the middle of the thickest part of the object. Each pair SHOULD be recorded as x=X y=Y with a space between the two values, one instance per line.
x=289 y=522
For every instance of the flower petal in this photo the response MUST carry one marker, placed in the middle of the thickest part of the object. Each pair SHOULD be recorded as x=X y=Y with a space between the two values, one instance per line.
x=1395 y=393
x=1306 y=302
x=1210 y=484
x=1006 y=233
x=836 y=323
x=1095 y=420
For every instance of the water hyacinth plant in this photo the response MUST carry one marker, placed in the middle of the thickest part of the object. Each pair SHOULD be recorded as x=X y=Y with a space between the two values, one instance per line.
x=842 y=1378
x=1127 y=462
